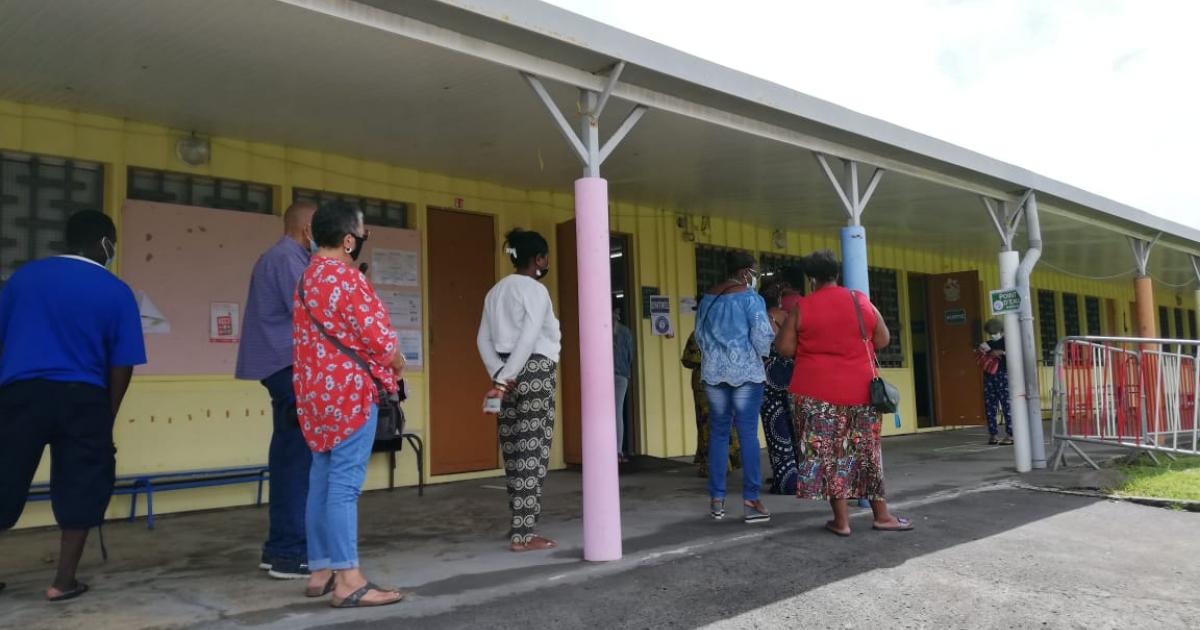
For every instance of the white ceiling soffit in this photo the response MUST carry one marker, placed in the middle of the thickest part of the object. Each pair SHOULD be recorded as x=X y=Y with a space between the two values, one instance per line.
x=277 y=72
x=528 y=34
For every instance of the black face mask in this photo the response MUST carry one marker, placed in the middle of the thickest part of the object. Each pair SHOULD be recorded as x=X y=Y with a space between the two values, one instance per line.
x=358 y=246
x=543 y=272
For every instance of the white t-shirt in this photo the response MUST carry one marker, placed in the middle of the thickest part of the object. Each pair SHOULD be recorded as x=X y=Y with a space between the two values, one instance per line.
x=518 y=320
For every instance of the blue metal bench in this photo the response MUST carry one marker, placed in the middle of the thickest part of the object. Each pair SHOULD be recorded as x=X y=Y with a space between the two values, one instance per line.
x=148 y=484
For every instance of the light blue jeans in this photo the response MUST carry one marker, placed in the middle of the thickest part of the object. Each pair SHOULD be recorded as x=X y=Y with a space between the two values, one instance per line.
x=731 y=408
x=621 y=388
x=334 y=483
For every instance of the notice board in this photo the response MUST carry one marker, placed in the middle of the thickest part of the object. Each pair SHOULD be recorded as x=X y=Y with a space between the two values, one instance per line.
x=190 y=268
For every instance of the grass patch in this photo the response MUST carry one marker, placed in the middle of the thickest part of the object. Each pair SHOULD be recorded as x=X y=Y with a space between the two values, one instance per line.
x=1179 y=479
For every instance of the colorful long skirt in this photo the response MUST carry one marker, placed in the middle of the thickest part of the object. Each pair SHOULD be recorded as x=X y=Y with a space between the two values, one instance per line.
x=778 y=426
x=838 y=450
x=526 y=428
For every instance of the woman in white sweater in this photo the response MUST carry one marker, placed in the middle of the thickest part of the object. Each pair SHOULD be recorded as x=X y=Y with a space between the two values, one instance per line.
x=519 y=341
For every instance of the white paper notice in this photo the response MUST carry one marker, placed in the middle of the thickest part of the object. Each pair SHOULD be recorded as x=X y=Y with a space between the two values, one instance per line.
x=404 y=309
x=410 y=346
x=224 y=322
x=396 y=267
x=153 y=321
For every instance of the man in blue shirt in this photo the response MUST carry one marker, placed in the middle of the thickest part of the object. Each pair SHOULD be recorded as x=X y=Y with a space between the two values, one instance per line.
x=265 y=355
x=70 y=334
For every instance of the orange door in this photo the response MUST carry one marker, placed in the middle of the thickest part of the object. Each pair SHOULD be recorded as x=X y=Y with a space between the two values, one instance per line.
x=955 y=319
x=571 y=414
x=462 y=268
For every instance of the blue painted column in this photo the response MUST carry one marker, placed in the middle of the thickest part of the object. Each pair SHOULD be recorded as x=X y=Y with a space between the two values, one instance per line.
x=854 y=259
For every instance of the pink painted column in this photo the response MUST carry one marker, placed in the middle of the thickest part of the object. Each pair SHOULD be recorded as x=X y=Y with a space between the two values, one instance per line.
x=601 y=490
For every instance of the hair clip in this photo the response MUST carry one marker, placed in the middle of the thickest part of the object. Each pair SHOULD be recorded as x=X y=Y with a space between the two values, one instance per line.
x=511 y=251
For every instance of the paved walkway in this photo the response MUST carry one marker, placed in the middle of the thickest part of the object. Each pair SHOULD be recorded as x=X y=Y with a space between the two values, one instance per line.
x=983 y=548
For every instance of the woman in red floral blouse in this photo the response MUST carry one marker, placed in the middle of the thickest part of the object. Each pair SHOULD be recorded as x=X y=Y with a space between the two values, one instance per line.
x=337 y=400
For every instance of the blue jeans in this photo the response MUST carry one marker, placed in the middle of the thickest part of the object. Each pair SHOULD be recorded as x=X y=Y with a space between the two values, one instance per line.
x=288 y=460
x=334 y=485
x=734 y=407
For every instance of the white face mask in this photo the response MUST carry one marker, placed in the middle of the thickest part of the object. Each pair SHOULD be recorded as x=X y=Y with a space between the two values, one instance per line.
x=753 y=283
x=997 y=336
x=110 y=252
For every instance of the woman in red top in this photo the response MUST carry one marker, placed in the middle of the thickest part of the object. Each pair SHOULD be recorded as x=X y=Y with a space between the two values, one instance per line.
x=837 y=430
x=337 y=400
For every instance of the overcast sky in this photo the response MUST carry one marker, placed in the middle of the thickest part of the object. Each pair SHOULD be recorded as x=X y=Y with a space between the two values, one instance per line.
x=1100 y=94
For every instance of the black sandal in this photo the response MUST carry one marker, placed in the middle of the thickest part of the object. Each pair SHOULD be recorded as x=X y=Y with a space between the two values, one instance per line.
x=354 y=600
x=79 y=589
x=324 y=591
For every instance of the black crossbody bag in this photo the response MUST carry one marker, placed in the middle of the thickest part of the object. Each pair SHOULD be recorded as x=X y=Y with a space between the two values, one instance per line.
x=885 y=398
x=390 y=424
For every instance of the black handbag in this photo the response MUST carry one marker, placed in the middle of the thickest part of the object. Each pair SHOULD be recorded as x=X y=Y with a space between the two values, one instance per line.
x=885 y=397
x=390 y=423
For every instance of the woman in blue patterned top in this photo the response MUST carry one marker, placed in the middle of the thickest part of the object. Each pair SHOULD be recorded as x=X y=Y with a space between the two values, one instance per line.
x=734 y=334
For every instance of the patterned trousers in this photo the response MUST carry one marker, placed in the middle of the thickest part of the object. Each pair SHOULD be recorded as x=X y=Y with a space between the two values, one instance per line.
x=995 y=396
x=526 y=427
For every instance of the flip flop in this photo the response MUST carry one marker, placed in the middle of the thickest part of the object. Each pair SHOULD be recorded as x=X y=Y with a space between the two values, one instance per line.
x=546 y=544
x=80 y=589
x=829 y=528
x=355 y=599
x=324 y=591
x=902 y=525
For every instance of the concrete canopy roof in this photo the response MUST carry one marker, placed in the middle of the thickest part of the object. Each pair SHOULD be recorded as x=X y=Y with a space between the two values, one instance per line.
x=434 y=85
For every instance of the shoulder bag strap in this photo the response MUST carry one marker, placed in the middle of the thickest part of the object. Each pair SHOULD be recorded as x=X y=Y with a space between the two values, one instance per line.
x=354 y=356
x=862 y=331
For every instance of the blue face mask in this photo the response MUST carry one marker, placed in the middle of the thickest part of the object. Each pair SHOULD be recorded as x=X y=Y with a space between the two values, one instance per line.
x=312 y=246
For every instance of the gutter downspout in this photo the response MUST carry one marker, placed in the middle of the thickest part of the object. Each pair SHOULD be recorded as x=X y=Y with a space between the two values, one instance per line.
x=1033 y=386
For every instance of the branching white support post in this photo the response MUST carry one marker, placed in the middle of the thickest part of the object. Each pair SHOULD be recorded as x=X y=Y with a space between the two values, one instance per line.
x=601 y=492
x=1143 y=287
x=1196 y=268
x=1006 y=221
x=1028 y=338
x=854 y=236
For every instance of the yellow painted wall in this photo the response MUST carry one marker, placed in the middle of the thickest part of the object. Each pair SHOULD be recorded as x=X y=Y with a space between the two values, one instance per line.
x=188 y=422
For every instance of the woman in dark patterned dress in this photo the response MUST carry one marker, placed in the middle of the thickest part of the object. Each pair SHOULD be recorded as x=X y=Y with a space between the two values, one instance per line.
x=777 y=401
x=838 y=432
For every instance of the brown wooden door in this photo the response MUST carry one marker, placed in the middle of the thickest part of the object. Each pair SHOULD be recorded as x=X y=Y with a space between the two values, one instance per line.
x=571 y=414
x=462 y=268
x=955 y=319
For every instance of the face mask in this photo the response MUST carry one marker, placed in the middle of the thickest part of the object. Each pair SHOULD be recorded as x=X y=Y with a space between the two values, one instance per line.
x=997 y=336
x=312 y=246
x=358 y=246
x=753 y=283
x=110 y=252
x=543 y=272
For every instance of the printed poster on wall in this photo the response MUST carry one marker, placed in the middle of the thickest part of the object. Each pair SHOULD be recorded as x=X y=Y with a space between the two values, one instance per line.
x=224 y=322
x=404 y=309
x=410 y=346
x=660 y=316
x=395 y=267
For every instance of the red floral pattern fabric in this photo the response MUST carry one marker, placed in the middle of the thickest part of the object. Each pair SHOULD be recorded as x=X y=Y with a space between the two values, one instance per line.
x=333 y=394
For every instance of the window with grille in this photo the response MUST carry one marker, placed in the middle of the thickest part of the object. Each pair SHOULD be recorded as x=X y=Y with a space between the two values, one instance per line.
x=773 y=265
x=710 y=266
x=1070 y=303
x=149 y=184
x=1164 y=322
x=885 y=295
x=1192 y=325
x=1047 y=324
x=1091 y=311
x=1179 y=334
x=37 y=195
x=377 y=212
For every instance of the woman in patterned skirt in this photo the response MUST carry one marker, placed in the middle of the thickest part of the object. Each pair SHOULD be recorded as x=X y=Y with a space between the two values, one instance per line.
x=776 y=409
x=519 y=341
x=838 y=433
x=691 y=360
